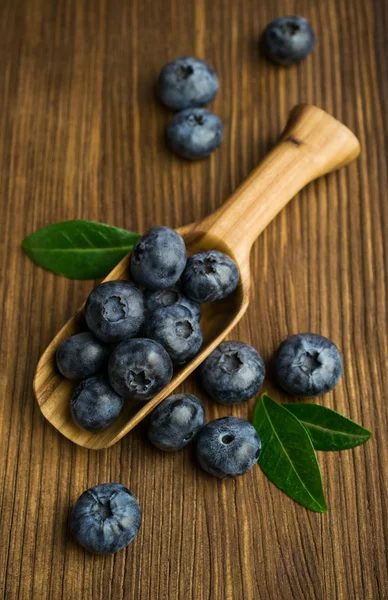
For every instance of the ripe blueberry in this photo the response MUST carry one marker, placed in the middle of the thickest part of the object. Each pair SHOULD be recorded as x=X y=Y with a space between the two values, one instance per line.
x=139 y=369
x=209 y=275
x=187 y=82
x=177 y=330
x=82 y=355
x=105 y=518
x=171 y=297
x=308 y=364
x=158 y=258
x=228 y=447
x=115 y=311
x=288 y=40
x=174 y=423
x=194 y=133
x=232 y=373
x=94 y=405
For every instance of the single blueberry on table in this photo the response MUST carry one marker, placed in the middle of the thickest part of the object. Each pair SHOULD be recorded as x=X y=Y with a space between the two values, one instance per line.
x=105 y=518
x=194 y=133
x=94 y=404
x=139 y=369
x=177 y=330
x=232 y=373
x=209 y=275
x=171 y=297
x=308 y=364
x=228 y=447
x=115 y=311
x=175 y=422
x=288 y=40
x=82 y=355
x=158 y=258
x=187 y=82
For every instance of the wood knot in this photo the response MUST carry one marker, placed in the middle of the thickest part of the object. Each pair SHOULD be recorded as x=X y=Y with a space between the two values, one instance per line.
x=294 y=141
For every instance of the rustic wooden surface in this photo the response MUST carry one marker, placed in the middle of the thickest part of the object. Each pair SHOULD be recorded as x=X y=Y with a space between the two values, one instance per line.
x=81 y=135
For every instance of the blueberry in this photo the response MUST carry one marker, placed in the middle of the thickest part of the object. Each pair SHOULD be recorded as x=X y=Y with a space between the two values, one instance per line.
x=115 y=311
x=308 y=364
x=94 y=405
x=187 y=82
x=139 y=369
x=194 y=133
x=105 y=518
x=232 y=373
x=82 y=355
x=288 y=40
x=174 y=423
x=158 y=258
x=209 y=276
x=228 y=447
x=177 y=330
x=171 y=297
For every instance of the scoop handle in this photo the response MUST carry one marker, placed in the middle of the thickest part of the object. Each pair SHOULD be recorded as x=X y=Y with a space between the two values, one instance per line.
x=312 y=144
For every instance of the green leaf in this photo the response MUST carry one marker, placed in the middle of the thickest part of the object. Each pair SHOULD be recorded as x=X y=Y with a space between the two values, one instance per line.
x=79 y=249
x=288 y=458
x=328 y=429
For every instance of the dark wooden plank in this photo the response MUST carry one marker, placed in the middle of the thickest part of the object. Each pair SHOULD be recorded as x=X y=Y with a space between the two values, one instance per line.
x=81 y=135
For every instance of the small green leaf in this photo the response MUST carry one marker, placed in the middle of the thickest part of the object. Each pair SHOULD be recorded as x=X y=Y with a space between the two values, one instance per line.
x=328 y=429
x=79 y=249
x=288 y=458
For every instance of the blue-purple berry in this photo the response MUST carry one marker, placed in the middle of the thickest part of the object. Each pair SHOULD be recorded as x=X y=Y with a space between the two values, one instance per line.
x=105 y=518
x=139 y=369
x=194 y=133
x=288 y=40
x=115 y=311
x=177 y=330
x=94 y=404
x=228 y=447
x=82 y=355
x=175 y=422
x=209 y=275
x=232 y=373
x=158 y=258
x=308 y=364
x=187 y=82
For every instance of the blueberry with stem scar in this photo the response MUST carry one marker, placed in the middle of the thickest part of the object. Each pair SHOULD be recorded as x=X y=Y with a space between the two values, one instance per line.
x=228 y=447
x=308 y=364
x=115 y=311
x=232 y=373
x=105 y=518
x=187 y=82
x=158 y=258
x=209 y=275
x=139 y=369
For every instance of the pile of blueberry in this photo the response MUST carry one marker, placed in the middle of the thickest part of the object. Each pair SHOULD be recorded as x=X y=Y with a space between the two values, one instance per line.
x=138 y=334
x=107 y=517
x=139 y=331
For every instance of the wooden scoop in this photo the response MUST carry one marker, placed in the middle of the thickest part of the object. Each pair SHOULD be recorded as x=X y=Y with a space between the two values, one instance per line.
x=313 y=144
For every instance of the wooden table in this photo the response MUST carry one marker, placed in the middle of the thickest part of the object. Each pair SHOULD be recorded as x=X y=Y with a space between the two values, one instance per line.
x=81 y=136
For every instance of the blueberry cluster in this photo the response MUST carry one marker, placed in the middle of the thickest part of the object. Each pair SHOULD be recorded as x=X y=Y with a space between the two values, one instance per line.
x=107 y=517
x=225 y=448
x=139 y=331
x=186 y=85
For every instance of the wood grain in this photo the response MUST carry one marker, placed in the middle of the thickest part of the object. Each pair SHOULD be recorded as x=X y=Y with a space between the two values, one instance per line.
x=82 y=137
